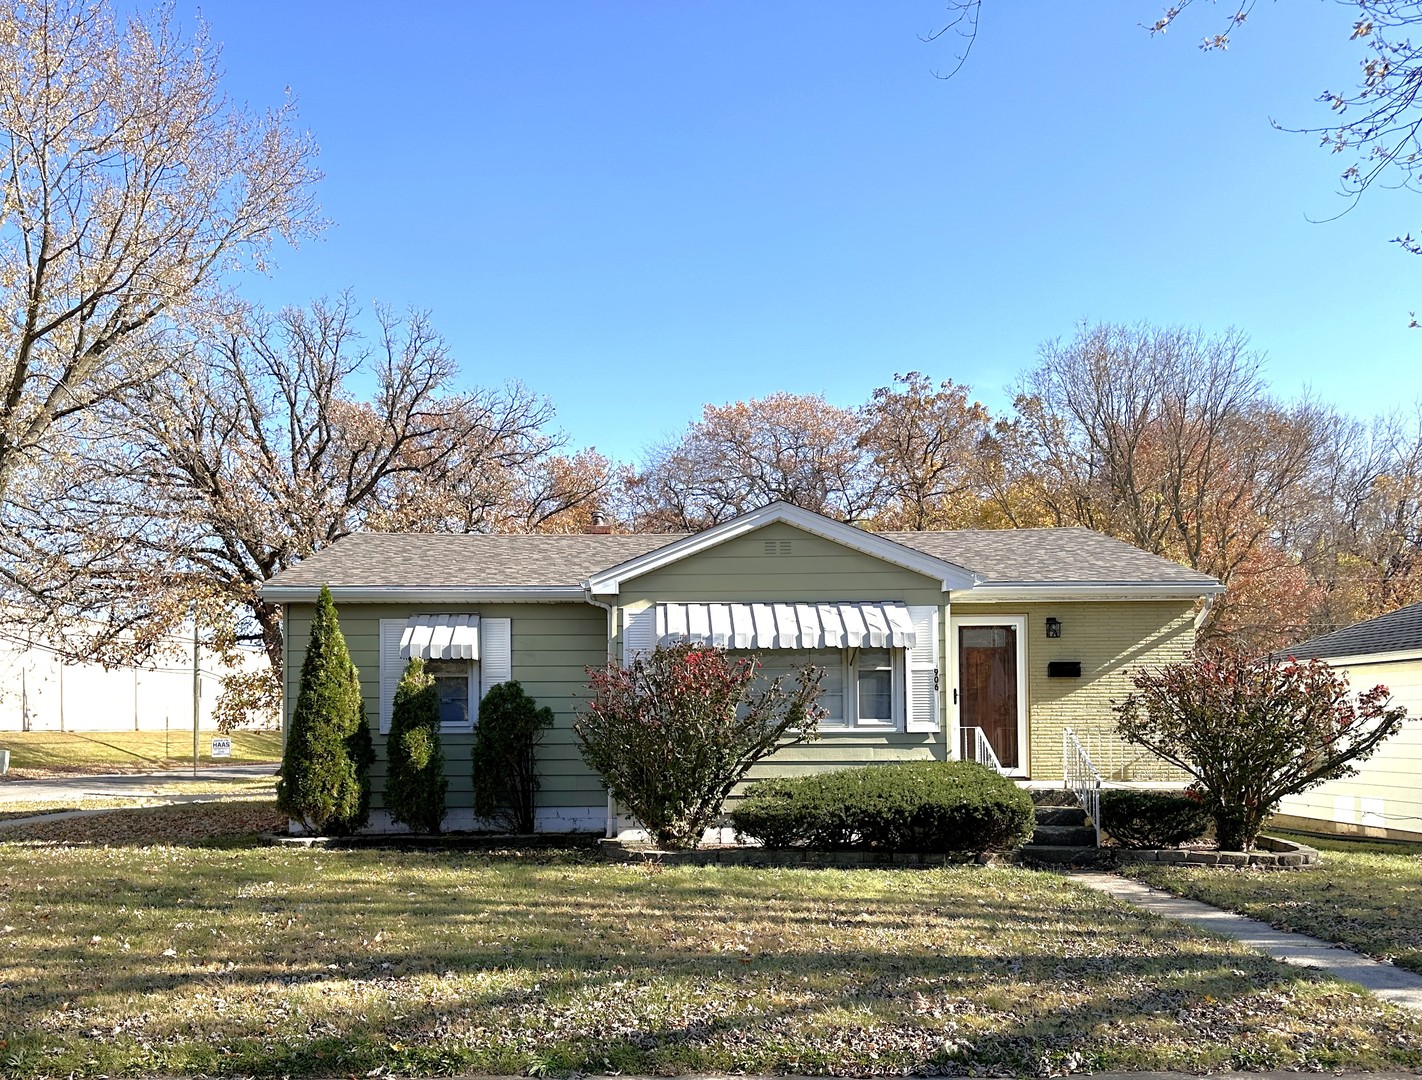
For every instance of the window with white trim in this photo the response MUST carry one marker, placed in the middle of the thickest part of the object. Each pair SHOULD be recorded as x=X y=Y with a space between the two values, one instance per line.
x=455 y=682
x=875 y=688
x=862 y=688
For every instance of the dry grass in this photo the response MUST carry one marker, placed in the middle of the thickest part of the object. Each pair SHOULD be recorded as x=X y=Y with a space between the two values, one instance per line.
x=50 y=753
x=1363 y=895
x=239 y=787
x=11 y=809
x=156 y=958
x=236 y=786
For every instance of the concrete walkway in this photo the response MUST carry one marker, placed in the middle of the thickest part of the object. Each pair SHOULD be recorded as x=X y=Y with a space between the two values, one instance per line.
x=1392 y=984
x=122 y=785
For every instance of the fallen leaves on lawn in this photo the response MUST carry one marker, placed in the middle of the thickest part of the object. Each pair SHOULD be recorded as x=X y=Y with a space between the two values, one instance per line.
x=176 y=824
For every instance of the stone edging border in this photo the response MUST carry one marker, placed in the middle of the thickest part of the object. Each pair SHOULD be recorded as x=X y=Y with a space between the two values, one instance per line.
x=1276 y=854
x=746 y=855
x=450 y=841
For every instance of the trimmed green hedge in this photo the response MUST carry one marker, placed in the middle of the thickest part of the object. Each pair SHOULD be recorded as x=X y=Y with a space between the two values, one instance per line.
x=933 y=807
x=1152 y=819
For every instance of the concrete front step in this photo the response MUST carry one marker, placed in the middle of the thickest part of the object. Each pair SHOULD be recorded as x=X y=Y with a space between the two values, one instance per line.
x=1064 y=836
x=1060 y=815
x=1065 y=855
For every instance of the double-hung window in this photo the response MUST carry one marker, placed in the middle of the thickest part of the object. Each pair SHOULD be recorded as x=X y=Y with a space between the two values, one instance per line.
x=877 y=692
x=454 y=680
x=862 y=688
x=881 y=658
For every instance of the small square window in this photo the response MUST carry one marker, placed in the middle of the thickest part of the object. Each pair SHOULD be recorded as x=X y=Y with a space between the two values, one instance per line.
x=452 y=684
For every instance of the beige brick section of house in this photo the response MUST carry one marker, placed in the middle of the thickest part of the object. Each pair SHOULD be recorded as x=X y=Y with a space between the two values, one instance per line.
x=1111 y=640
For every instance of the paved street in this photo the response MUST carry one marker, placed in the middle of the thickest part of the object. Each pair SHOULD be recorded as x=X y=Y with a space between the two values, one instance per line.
x=126 y=785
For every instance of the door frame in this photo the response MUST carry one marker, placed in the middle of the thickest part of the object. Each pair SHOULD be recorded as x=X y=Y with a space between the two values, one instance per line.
x=1019 y=622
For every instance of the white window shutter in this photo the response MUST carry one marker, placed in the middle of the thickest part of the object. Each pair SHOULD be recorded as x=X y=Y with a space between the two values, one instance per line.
x=639 y=634
x=923 y=673
x=495 y=653
x=391 y=668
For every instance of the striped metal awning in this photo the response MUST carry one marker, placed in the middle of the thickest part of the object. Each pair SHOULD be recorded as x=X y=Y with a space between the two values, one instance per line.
x=788 y=626
x=440 y=637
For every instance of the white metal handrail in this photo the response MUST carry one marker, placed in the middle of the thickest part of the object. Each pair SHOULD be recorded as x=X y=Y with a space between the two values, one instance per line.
x=1082 y=778
x=980 y=750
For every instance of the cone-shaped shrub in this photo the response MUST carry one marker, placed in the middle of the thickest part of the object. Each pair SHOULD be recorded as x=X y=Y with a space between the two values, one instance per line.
x=415 y=783
x=361 y=749
x=511 y=725
x=320 y=784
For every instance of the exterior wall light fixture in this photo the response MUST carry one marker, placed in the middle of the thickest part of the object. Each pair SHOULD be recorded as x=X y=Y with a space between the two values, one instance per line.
x=1054 y=627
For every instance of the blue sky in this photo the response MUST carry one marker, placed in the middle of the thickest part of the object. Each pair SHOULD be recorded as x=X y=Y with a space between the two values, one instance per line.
x=637 y=208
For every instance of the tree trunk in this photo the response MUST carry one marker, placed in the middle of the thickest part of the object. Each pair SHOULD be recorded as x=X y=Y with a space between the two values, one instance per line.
x=268 y=617
x=1236 y=828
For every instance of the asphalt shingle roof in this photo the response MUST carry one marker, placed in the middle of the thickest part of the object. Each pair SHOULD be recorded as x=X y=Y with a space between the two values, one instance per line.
x=1397 y=631
x=1065 y=556
x=467 y=559
x=1074 y=555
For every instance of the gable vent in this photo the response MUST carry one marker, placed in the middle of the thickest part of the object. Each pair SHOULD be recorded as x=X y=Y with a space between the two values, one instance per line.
x=779 y=547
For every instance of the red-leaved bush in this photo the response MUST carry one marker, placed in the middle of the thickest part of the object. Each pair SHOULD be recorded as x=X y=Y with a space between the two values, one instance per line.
x=1252 y=731
x=674 y=732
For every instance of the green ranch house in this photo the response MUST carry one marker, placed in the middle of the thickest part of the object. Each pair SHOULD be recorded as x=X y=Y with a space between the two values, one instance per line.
x=982 y=644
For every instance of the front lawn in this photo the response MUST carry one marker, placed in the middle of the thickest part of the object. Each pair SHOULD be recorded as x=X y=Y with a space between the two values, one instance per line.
x=1365 y=896
x=36 y=753
x=9 y=810
x=139 y=958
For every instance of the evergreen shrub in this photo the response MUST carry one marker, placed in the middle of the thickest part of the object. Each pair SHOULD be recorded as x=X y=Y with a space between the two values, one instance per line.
x=511 y=726
x=1153 y=819
x=321 y=784
x=930 y=807
x=415 y=784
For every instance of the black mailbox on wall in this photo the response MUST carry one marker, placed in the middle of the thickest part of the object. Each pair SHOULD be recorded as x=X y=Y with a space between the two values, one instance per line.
x=1063 y=669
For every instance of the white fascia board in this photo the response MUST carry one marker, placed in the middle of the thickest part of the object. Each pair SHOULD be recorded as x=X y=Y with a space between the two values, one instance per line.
x=952 y=576
x=1059 y=592
x=1396 y=656
x=397 y=594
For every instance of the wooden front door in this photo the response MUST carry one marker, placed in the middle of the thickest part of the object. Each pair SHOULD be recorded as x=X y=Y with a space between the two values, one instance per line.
x=987 y=682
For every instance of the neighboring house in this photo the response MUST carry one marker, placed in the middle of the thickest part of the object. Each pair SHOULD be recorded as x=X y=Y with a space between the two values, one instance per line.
x=928 y=637
x=1384 y=799
x=42 y=691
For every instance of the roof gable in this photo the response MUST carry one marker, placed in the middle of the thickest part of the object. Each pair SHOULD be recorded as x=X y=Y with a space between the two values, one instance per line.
x=948 y=574
x=1398 y=631
x=978 y=564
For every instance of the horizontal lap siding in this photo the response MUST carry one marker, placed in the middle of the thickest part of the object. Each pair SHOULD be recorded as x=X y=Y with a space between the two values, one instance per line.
x=1111 y=639
x=816 y=569
x=1388 y=784
x=552 y=645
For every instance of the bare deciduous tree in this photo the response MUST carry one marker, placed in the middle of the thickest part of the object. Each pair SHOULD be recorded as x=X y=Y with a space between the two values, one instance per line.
x=1166 y=438
x=129 y=186
x=251 y=451
x=795 y=448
